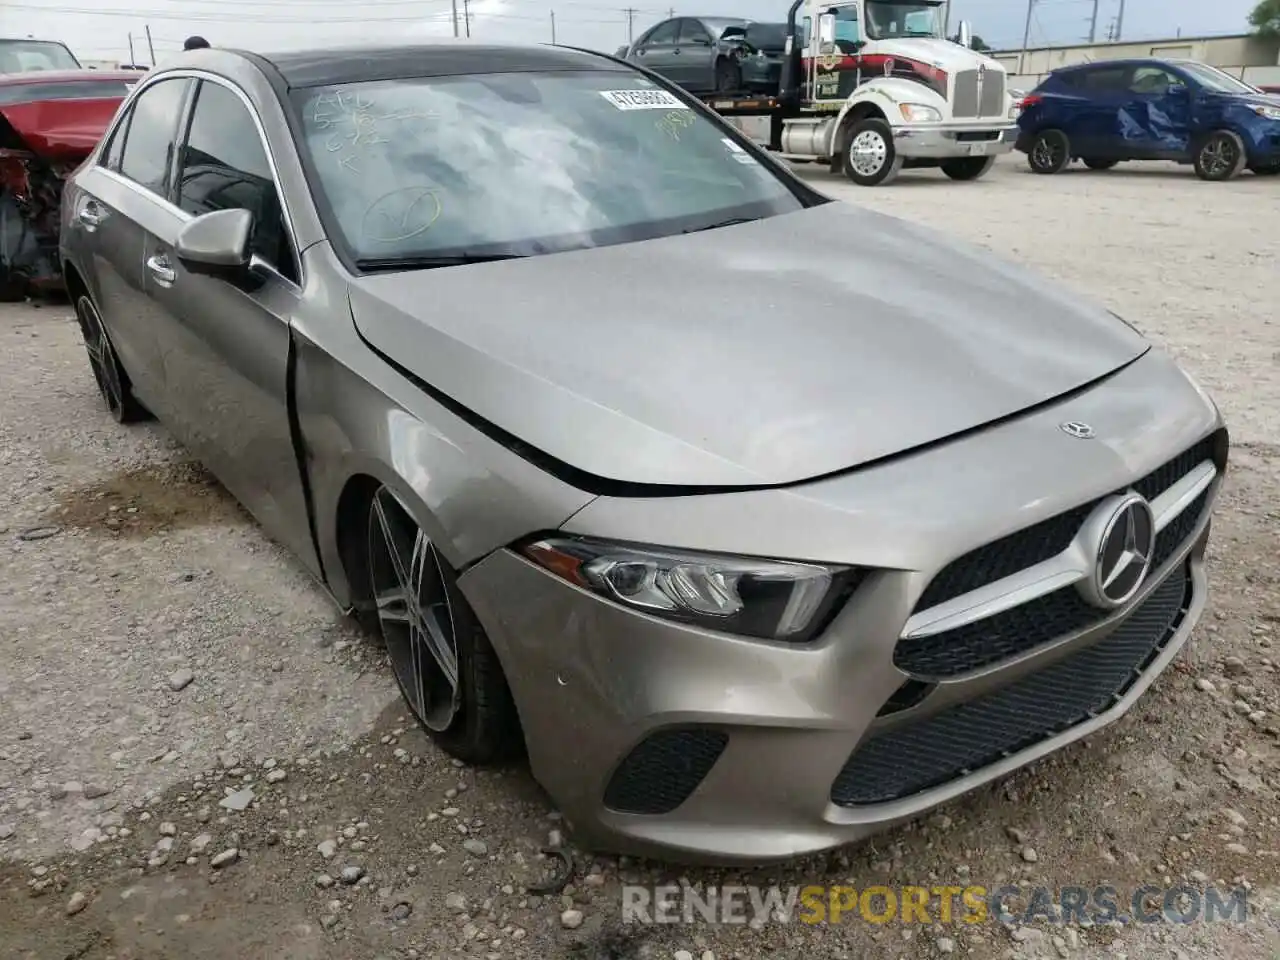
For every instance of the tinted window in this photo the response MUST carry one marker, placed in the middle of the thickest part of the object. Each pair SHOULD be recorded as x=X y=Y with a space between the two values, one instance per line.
x=21 y=56
x=97 y=90
x=663 y=33
x=148 y=148
x=1102 y=80
x=523 y=163
x=1215 y=79
x=111 y=156
x=224 y=167
x=1152 y=80
x=693 y=32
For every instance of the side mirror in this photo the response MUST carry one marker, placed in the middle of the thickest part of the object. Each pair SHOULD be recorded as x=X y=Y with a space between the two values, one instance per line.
x=965 y=37
x=217 y=244
x=827 y=29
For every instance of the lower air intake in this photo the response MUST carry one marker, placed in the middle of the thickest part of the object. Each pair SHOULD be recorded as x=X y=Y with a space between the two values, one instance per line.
x=662 y=771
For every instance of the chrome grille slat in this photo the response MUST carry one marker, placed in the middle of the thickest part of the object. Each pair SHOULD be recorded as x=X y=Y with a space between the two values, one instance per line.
x=964 y=101
x=992 y=104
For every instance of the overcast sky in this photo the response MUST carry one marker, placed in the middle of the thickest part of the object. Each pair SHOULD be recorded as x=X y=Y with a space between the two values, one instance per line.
x=100 y=29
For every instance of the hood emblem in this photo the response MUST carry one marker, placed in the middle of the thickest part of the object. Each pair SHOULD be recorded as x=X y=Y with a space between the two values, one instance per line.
x=982 y=70
x=1123 y=551
x=888 y=67
x=1074 y=428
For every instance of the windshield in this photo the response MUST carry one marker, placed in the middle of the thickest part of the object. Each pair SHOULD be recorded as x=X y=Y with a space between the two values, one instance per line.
x=23 y=56
x=887 y=19
x=523 y=163
x=1213 y=79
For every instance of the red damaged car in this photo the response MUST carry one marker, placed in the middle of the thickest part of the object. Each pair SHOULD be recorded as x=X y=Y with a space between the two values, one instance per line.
x=49 y=121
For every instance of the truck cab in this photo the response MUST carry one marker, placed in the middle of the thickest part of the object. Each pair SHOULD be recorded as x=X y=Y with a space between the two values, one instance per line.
x=876 y=86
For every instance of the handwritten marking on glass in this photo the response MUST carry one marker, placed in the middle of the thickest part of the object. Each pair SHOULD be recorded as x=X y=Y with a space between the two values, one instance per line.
x=354 y=122
x=401 y=214
x=672 y=123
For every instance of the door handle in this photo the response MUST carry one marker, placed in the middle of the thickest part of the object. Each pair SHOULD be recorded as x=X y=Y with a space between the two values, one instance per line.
x=161 y=271
x=90 y=216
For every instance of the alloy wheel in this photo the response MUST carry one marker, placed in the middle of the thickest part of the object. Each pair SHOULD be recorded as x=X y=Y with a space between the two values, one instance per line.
x=415 y=613
x=1047 y=155
x=868 y=153
x=102 y=358
x=1218 y=156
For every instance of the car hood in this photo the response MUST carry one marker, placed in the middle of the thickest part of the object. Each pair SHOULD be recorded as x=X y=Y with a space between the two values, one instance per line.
x=759 y=354
x=62 y=130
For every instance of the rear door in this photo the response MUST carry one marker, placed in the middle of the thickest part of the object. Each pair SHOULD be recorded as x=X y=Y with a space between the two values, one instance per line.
x=1160 y=104
x=226 y=346
x=1096 y=121
x=121 y=200
x=656 y=50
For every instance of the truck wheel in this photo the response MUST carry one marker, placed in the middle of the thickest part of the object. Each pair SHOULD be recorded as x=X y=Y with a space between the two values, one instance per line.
x=1220 y=156
x=1100 y=164
x=1050 y=152
x=728 y=76
x=968 y=168
x=870 y=159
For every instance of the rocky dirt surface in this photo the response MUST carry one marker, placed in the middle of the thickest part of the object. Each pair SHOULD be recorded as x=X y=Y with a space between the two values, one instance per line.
x=200 y=759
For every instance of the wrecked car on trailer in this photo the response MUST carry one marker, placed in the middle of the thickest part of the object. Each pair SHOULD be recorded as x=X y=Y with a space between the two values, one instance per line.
x=50 y=120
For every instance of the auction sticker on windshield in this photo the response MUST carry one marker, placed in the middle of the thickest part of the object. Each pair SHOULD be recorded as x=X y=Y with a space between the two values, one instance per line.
x=643 y=100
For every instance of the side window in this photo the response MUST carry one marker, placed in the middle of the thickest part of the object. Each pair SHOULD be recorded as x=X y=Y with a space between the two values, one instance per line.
x=1154 y=81
x=846 y=24
x=693 y=33
x=1104 y=79
x=110 y=157
x=148 y=148
x=223 y=166
x=663 y=33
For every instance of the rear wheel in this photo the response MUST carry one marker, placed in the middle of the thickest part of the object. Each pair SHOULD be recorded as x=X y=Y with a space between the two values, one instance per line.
x=113 y=382
x=1220 y=156
x=442 y=660
x=870 y=159
x=728 y=76
x=968 y=168
x=1050 y=152
x=1100 y=164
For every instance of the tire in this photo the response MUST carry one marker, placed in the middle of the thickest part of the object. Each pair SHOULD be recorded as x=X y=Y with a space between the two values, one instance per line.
x=728 y=76
x=13 y=288
x=1050 y=152
x=1100 y=164
x=968 y=168
x=113 y=382
x=443 y=662
x=1220 y=156
x=870 y=158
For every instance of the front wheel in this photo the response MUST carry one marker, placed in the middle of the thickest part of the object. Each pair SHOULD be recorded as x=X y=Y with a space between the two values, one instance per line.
x=1220 y=156
x=1050 y=152
x=442 y=660
x=728 y=76
x=870 y=159
x=968 y=168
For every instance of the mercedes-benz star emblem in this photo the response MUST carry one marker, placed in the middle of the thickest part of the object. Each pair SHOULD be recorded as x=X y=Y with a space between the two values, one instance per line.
x=1074 y=428
x=1124 y=533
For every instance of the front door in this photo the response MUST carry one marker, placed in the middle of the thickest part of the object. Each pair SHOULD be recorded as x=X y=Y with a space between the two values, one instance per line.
x=226 y=351
x=694 y=59
x=123 y=198
x=1100 y=126
x=657 y=50
x=1160 y=104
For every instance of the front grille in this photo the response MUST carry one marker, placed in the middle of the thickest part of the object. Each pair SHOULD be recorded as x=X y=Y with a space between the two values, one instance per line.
x=662 y=771
x=992 y=104
x=965 y=100
x=969 y=736
x=1054 y=616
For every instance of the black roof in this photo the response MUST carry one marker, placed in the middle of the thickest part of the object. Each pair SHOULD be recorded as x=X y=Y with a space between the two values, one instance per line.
x=314 y=68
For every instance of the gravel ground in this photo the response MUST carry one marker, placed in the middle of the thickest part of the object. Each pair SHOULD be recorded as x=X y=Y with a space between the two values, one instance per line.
x=199 y=758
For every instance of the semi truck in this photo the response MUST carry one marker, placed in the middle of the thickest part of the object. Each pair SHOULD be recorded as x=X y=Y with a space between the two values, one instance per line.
x=871 y=87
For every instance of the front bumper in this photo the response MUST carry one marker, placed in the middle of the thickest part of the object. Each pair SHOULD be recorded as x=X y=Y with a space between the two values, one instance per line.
x=948 y=141
x=660 y=739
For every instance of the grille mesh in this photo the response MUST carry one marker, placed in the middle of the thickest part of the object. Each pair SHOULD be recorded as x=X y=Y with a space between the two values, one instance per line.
x=972 y=735
x=965 y=103
x=992 y=104
x=663 y=770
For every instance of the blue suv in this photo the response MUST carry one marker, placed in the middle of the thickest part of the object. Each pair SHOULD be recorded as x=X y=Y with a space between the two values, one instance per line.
x=1181 y=110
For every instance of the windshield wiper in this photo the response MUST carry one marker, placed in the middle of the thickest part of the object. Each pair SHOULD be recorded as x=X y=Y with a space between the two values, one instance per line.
x=374 y=264
x=731 y=222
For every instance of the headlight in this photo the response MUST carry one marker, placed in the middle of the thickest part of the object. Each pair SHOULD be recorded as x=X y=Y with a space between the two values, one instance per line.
x=919 y=113
x=1271 y=113
x=770 y=599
